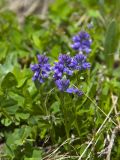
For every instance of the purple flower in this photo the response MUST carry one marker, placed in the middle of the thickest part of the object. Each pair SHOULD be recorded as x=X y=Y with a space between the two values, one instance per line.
x=76 y=46
x=66 y=64
x=63 y=66
x=65 y=59
x=58 y=70
x=74 y=90
x=82 y=42
x=84 y=35
x=41 y=70
x=42 y=59
x=62 y=84
x=79 y=62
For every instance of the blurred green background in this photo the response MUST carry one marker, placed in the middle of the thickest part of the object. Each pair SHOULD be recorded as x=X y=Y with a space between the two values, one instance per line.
x=31 y=122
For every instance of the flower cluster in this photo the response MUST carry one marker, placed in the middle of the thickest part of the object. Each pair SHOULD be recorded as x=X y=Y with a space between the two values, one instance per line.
x=66 y=65
x=63 y=85
x=79 y=62
x=82 y=42
x=63 y=66
x=42 y=69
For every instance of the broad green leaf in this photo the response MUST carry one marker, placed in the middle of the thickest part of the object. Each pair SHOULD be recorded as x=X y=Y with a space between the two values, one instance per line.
x=23 y=116
x=55 y=107
x=18 y=137
x=111 y=43
x=37 y=40
x=9 y=81
x=6 y=122
x=3 y=50
x=8 y=106
x=22 y=75
x=37 y=154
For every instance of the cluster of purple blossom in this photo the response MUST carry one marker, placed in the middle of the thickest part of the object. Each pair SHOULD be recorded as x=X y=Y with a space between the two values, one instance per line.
x=82 y=42
x=66 y=65
x=42 y=69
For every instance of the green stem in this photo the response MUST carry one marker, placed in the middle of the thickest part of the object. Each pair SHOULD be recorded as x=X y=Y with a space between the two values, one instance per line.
x=52 y=131
x=64 y=115
x=76 y=122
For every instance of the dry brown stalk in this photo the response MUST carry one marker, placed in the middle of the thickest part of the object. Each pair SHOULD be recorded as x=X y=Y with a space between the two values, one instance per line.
x=111 y=144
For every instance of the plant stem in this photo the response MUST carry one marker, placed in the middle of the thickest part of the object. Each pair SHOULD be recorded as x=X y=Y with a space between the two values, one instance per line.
x=64 y=112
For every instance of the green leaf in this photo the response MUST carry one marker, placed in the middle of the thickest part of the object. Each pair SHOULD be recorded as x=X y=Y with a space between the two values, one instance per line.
x=55 y=50
x=37 y=40
x=55 y=107
x=23 y=116
x=8 y=106
x=110 y=44
x=18 y=137
x=43 y=132
x=37 y=154
x=3 y=50
x=6 y=122
x=22 y=75
x=9 y=81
